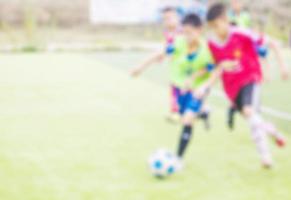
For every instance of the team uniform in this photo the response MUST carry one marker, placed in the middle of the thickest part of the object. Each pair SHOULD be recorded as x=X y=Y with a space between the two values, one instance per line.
x=263 y=47
x=243 y=20
x=241 y=84
x=176 y=47
x=183 y=65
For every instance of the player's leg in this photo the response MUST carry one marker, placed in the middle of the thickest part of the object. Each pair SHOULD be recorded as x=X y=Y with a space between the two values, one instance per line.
x=190 y=107
x=268 y=127
x=174 y=115
x=205 y=116
x=258 y=135
x=273 y=132
x=247 y=102
x=231 y=117
x=204 y=112
x=263 y=52
x=186 y=134
x=174 y=99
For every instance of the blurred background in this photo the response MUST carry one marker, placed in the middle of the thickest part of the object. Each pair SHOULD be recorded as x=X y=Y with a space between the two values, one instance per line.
x=44 y=24
x=74 y=125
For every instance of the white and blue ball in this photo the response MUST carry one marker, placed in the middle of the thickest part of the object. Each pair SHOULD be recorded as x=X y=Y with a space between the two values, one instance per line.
x=162 y=163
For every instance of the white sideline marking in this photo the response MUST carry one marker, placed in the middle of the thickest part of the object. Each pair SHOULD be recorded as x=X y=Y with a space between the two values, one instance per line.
x=267 y=110
x=276 y=113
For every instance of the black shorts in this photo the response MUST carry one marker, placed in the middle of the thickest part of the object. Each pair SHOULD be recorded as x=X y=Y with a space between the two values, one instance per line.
x=248 y=96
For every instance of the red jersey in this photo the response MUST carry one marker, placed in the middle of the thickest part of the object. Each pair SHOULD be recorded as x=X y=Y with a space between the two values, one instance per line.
x=241 y=47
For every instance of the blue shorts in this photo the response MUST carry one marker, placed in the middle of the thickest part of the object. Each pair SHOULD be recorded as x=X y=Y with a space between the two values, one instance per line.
x=188 y=103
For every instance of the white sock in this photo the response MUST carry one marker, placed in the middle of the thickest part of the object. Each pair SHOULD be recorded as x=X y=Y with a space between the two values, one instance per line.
x=255 y=121
x=271 y=130
x=259 y=136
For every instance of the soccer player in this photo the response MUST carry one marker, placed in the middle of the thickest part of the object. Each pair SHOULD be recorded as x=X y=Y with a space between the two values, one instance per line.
x=193 y=65
x=172 y=32
x=239 y=17
x=241 y=76
x=171 y=24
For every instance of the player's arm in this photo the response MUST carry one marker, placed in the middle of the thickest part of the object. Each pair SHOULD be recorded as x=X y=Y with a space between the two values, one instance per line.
x=193 y=77
x=200 y=92
x=260 y=39
x=215 y=75
x=209 y=67
x=278 y=56
x=156 y=58
x=198 y=74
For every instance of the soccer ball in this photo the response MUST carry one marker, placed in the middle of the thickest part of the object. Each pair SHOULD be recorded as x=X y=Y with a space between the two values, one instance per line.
x=162 y=163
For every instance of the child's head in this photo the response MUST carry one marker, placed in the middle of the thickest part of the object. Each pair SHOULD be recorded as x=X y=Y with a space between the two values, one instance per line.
x=218 y=20
x=170 y=18
x=192 y=27
x=236 y=6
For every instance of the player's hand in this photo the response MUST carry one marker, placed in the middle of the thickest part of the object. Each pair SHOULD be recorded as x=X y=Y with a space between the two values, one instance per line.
x=229 y=65
x=285 y=75
x=135 y=72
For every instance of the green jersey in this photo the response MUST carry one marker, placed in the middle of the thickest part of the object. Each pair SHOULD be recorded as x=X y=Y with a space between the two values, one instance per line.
x=183 y=64
x=242 y=20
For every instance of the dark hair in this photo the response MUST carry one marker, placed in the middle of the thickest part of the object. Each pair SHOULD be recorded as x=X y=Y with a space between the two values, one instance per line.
x=169 y=9
x=215 y=11
x=192 y=20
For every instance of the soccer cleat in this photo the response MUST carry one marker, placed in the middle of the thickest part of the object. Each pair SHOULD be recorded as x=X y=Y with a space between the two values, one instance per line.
x=277 y=136
x=267 y=163
x=281 y=142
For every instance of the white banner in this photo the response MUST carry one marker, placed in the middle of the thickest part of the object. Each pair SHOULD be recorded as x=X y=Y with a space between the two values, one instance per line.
x=123 y=11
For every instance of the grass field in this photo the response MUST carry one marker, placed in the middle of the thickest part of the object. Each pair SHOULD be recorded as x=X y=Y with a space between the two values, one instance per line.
x=274 y=94
x=75 y=128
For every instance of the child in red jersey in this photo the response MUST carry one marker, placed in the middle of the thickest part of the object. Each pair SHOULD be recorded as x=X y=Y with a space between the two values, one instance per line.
x=239 y=17
x=241 y=75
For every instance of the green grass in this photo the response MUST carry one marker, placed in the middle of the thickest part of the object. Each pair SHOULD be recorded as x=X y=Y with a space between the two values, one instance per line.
x=274 y=94
x=73 y=128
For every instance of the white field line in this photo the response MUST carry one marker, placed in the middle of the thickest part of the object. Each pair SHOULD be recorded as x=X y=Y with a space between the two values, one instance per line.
x=276 y=113
x=267 y=110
